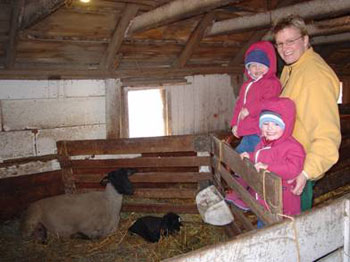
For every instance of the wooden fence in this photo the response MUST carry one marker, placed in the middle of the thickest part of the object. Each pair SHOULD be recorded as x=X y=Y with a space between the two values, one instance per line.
x=168 y=169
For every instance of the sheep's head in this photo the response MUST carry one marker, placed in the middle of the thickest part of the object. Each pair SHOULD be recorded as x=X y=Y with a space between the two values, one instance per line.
x=120 y=180
x=171 y=223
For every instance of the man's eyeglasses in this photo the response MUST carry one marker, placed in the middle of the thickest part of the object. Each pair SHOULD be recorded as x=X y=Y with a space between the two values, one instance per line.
x=288 y=42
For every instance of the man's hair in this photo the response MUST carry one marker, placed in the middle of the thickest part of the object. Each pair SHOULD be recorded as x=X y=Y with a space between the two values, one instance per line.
x=290 y=21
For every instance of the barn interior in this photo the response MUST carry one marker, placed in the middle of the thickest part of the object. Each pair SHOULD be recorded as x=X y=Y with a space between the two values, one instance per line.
x=78 y=82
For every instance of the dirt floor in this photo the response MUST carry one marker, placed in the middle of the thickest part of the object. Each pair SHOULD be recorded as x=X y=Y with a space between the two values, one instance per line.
x=120 y=246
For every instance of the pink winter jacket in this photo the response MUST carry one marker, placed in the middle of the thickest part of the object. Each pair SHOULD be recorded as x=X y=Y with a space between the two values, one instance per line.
x=266 y=87
x=284 y=156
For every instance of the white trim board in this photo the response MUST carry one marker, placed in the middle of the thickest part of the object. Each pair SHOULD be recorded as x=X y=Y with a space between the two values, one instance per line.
x=319 y=233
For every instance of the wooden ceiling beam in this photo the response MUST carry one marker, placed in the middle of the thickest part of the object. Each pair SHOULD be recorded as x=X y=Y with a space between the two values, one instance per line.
x=35 y=10
x=118 y=36
x=326 y=27
x=328 y=39
x=307 y=10
x=257 y=36
x=194 y=39
x=103 y=74
x=173 y=11
x=12 y=41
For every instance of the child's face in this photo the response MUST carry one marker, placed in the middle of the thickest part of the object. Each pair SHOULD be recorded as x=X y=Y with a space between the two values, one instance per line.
x=256 y=70
x=271 y=131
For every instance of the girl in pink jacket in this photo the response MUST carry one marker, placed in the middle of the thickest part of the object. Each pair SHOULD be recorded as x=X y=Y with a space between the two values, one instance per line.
x=278 y=151
x=262 y=83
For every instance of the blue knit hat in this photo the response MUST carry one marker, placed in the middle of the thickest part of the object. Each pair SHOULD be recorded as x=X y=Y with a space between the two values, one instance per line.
x=269 y=116
x=257 y=56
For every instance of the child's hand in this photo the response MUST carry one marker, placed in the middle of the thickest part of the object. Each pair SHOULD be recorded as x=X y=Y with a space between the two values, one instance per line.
x=243 y=114
x=258 y=166
x=244 y=155
x=234 y=131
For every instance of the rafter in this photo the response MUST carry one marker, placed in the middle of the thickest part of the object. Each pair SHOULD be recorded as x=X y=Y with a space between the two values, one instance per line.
x=255 y=37
x=194 y=40
x=103 y=74
x=309 y=9
x=108 y=58
x=173 y=11
x=35 y=10
x=12 y=42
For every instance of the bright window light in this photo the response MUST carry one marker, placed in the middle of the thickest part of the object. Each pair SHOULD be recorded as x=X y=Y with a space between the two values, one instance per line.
x=146 y=113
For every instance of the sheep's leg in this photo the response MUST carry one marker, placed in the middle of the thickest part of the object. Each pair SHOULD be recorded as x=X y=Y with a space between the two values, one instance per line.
x=40 y=233
x=80 y=235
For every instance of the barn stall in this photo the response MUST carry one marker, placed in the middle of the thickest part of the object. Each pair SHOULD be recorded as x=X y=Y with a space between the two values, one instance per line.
x=64 y=120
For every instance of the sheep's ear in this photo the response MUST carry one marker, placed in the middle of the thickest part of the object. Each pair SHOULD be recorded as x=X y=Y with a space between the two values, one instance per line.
x=131 y=171
x=104 y=181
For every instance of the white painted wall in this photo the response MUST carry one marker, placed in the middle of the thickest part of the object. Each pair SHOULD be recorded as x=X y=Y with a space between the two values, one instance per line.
x=204 y=105
x=36 y=114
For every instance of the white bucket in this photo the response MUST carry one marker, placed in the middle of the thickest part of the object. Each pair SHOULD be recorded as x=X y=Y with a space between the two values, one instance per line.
x=212 y=207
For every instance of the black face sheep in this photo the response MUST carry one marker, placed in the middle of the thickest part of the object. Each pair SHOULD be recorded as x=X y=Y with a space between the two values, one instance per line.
x=93 y=214
x=151 y=228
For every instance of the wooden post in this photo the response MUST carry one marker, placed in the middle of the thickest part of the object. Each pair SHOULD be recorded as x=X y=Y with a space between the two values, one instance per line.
x=113 y=108
x=66 y=165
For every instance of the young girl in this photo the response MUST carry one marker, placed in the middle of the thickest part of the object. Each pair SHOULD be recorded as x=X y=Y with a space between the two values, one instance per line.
x=278 y=151
x=262 y=84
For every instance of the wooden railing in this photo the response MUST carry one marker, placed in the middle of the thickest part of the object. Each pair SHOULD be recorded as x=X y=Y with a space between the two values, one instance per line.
x=167 y=168
x=226 y=161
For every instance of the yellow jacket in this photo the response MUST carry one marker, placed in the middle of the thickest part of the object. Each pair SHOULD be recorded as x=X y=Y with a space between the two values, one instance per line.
x=314 y=87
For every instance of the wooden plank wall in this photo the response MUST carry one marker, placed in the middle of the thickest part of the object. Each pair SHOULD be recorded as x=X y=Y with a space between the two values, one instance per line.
x=17 y=192
x=167 y=169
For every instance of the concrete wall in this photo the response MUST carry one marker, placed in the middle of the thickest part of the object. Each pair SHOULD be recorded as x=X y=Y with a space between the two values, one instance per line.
x=36 y=114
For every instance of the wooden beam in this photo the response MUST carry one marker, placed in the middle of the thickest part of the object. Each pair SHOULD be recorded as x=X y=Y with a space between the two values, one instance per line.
x=118 y=36
x=187 y=161
x=257 y=36
x=160 y=208
x=194 y=40
x=326 y=27
x=113 y=108
x=173 y=11
x=327 y=39
x=127 y=146
x=17 y=6
x=45 y=73
x=35 y=11
x=149 y=177
x=307 y=10
x=165 y=193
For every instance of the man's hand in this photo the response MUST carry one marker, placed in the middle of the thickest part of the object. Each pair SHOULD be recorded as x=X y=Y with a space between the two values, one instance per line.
x=300 y=182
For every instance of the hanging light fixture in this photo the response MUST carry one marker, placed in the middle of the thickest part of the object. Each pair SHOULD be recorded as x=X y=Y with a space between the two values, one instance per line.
x=85 y=1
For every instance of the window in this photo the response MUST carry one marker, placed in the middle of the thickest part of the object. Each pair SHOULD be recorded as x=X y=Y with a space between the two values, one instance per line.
x=146 y=113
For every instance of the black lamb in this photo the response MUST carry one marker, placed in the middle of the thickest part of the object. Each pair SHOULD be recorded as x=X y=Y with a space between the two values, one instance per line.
x=151 y=228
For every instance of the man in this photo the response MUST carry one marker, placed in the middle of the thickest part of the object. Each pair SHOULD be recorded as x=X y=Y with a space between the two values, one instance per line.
x=314 y=87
